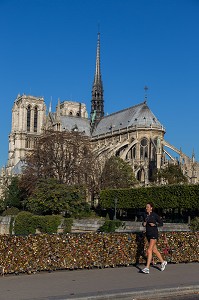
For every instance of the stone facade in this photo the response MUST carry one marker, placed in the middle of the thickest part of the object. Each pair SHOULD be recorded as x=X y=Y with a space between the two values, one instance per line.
x=28 y=117
x=139 y=141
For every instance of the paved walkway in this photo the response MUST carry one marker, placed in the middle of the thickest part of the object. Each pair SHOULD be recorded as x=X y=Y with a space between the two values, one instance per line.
x=110 y=283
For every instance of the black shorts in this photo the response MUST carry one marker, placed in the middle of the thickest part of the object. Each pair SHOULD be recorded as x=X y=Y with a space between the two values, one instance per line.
x=152 y=237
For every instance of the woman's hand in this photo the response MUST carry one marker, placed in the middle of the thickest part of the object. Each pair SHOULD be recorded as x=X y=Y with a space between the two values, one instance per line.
x=144 y=224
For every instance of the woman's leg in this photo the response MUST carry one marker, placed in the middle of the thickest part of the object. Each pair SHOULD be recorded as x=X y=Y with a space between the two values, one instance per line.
x=157 y=253
x=152 y=243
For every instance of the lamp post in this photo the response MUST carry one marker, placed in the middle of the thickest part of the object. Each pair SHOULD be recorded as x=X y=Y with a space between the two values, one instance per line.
x=115 y=209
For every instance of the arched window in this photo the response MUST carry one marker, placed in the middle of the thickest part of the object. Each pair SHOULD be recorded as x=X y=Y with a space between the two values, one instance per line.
x=70 y=113
x=35 y=119
x=28 y=142
x=134 y=151
x=58 y=126
x=141 y=175
x=28 y=118
x=144 y=149
x=35 y=141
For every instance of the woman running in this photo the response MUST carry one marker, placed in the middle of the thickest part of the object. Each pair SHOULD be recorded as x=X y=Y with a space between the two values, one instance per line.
x=151 y=221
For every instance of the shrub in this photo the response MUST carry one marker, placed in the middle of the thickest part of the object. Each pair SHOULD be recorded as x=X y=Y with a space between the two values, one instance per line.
x=47 y=224
x=194 y=225
x=23 y=223
x=110 y=226
x=52 y=223
x=10 y=211
x=81 y=210
x=67 y=225
x=27 y=223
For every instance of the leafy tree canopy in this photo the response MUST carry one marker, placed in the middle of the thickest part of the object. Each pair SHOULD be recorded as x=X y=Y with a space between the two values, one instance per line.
x=13 y=194
x=117 y=174
x=171 y=175
x=52 y=197
x=64 y=156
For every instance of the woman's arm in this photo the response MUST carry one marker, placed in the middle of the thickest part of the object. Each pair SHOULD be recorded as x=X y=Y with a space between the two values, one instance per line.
x=144 y=220
x=159 y=220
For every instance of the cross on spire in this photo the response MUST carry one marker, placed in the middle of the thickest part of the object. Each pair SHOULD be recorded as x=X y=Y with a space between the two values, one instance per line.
x=145 y=92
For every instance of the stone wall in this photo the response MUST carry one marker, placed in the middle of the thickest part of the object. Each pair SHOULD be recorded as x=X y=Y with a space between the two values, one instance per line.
x=89 y=225
x=92 y=225
x=5 y=225
x=86 y=225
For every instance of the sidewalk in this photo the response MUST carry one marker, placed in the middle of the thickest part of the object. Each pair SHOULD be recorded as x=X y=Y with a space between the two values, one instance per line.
x=111 y=283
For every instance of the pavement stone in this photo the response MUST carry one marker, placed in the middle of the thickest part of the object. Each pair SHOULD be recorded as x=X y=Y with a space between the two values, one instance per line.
x=100 y=284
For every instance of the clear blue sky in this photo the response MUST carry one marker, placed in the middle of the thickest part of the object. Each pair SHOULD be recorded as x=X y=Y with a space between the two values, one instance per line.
x=48 y=48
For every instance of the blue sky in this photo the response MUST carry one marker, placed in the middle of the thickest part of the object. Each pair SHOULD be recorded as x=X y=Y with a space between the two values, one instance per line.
x=48 y=48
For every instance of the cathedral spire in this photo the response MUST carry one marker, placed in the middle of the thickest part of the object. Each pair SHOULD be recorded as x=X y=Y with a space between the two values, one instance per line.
x=50 y=106
x=97 y=102
x=97 y=67
x=193 y=156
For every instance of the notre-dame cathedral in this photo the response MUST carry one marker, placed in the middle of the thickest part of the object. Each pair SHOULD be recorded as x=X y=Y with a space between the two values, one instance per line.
x=134 y=133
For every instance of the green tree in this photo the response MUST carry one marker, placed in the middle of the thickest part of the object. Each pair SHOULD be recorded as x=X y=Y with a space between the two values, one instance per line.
x=117 y=174
x=171 y=175
x=13 y=194
x=52 y=197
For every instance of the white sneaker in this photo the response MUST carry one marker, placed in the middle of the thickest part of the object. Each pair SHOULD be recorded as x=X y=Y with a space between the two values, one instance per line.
x=145 y=271
x=163 y=265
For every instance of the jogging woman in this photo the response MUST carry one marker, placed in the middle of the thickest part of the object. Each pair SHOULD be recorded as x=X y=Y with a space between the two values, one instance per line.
x=151 y=221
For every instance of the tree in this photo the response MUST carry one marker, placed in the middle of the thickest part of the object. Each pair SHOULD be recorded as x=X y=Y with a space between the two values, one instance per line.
x=64 y=156
x=172 y=174
x=117 y=174
x=53 y=197
x=13 y=194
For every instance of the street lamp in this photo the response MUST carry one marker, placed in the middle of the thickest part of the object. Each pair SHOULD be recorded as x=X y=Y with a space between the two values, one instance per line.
x=115 y=202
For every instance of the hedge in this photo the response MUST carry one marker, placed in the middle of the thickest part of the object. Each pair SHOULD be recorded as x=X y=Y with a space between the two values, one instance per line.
x=168 y=196
x=34 y=253
x=27 y=223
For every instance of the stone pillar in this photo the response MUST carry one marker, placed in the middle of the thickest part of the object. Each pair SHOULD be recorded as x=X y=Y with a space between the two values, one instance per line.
x=138 y=151
x=32 y=120
x=159 y=153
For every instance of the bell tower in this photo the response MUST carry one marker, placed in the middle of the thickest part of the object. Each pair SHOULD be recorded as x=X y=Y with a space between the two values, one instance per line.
x=28 y=116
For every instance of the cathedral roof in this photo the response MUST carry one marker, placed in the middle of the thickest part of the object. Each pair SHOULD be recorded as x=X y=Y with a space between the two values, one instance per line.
x=71 y=123
x=139 y=115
